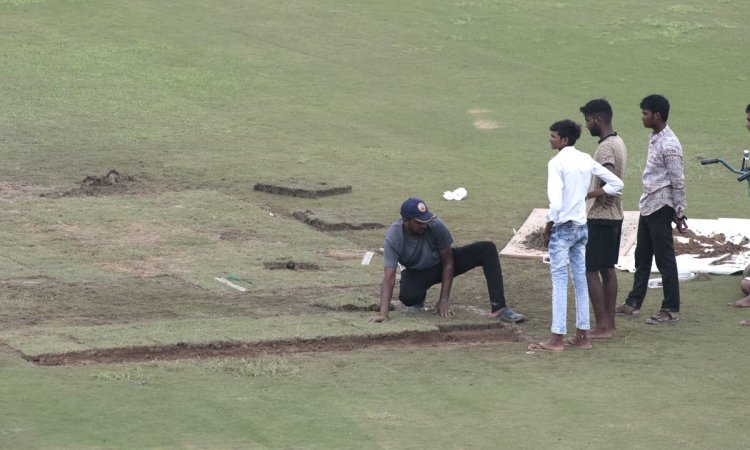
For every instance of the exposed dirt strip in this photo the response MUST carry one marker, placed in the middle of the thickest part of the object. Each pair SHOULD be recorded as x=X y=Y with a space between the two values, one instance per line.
x=450 y=334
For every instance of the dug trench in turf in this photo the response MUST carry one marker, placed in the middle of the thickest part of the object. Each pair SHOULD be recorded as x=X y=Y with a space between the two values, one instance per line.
x=444 y=335
x=322 y=224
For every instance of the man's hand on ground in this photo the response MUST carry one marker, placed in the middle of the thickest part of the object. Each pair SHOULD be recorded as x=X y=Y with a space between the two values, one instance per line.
x=443 y=308
x=378 y=318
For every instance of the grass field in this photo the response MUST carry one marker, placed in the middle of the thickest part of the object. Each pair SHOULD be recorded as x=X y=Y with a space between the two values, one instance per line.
x=193 y=103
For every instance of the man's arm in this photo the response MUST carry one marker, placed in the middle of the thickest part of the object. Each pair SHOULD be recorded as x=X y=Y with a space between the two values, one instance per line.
x=613 y=184
x=386 y=293
x=554 y=192
x=444 y=304
x=599 y=194
x=676 y=174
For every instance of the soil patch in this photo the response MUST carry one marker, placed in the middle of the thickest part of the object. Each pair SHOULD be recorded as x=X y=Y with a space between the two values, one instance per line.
x=321 y=224
x=445 y=335
x=535 y=240
x=111 y=183
x=12 y=191
x=528 y=241
x=302 y=189
x=702 y=246
x=707 y=246
x=348 y=307
x=290 y=265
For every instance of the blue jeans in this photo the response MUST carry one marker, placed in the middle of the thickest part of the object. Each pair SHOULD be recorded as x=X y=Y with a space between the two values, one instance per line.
x=568 y=240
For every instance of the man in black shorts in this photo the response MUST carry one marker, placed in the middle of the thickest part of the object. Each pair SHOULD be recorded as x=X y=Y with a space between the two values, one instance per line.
x=421 y=243
x=604 y=220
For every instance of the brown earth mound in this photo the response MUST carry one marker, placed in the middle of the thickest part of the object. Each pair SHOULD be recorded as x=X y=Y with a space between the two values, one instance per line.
x=290 y=265
x=111 y=183
x=535 y=240
x=702 y=246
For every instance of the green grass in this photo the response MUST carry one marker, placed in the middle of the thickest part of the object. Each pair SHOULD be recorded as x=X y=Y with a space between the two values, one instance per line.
x=200 y=100
x=52 y=340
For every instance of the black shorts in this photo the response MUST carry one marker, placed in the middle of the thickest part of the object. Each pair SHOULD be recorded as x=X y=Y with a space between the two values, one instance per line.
x=603 y=246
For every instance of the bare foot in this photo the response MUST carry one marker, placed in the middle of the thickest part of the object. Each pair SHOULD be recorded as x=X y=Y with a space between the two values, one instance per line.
x=579 y=342
x=546 y=347
x=742 y=303
x=597 y=333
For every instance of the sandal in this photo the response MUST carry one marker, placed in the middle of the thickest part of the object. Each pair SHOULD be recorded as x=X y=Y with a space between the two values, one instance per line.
x=663 y=317
x=627 y=310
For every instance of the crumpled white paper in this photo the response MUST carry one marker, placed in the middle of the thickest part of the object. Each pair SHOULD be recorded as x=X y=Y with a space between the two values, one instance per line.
x=458 y=194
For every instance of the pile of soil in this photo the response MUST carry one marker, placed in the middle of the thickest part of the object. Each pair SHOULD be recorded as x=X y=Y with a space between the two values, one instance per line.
x=112 y=178
x=535 y=240
x=702 y=246
x=707 y=246
x=111 y=183
x=290 y=265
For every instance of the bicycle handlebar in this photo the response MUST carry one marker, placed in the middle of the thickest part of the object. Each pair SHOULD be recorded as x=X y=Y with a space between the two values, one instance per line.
x=709 y=161
x=744 y=176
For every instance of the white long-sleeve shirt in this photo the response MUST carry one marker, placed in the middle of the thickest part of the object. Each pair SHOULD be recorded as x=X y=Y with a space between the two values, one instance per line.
x=568 y=178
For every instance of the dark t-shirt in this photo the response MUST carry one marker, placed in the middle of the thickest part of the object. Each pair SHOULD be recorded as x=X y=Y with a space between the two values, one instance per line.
x=418 y=254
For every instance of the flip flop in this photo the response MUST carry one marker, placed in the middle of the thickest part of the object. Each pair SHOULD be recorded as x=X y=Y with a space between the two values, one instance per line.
x=670 y=317
x=627 y=310
x=572 y=342
x=539 y=347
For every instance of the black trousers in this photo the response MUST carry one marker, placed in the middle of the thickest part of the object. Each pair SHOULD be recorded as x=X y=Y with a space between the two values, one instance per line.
x=654 y=240
x=415 y=283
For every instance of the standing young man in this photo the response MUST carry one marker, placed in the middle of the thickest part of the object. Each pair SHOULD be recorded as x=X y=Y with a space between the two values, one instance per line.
x=662 y=202
x=568 y=177
x=604 y=219
x=422 y=244
x=745 y=282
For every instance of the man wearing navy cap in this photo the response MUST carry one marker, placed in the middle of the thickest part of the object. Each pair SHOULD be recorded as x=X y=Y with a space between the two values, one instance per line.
x=422 y=244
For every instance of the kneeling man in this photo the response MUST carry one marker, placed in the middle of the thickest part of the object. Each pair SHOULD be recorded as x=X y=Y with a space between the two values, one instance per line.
x=422 y=244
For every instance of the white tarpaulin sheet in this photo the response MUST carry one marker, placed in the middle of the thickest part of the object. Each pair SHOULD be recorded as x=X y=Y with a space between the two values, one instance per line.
x=735 y=230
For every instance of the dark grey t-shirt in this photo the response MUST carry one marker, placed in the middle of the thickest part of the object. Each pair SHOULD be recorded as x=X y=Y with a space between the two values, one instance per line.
x=419 y=254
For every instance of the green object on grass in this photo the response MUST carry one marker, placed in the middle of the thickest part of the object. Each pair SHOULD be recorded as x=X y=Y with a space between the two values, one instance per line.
x=233 y=277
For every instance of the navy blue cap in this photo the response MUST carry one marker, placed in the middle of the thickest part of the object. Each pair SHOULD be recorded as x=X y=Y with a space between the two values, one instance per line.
x=415 y=208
